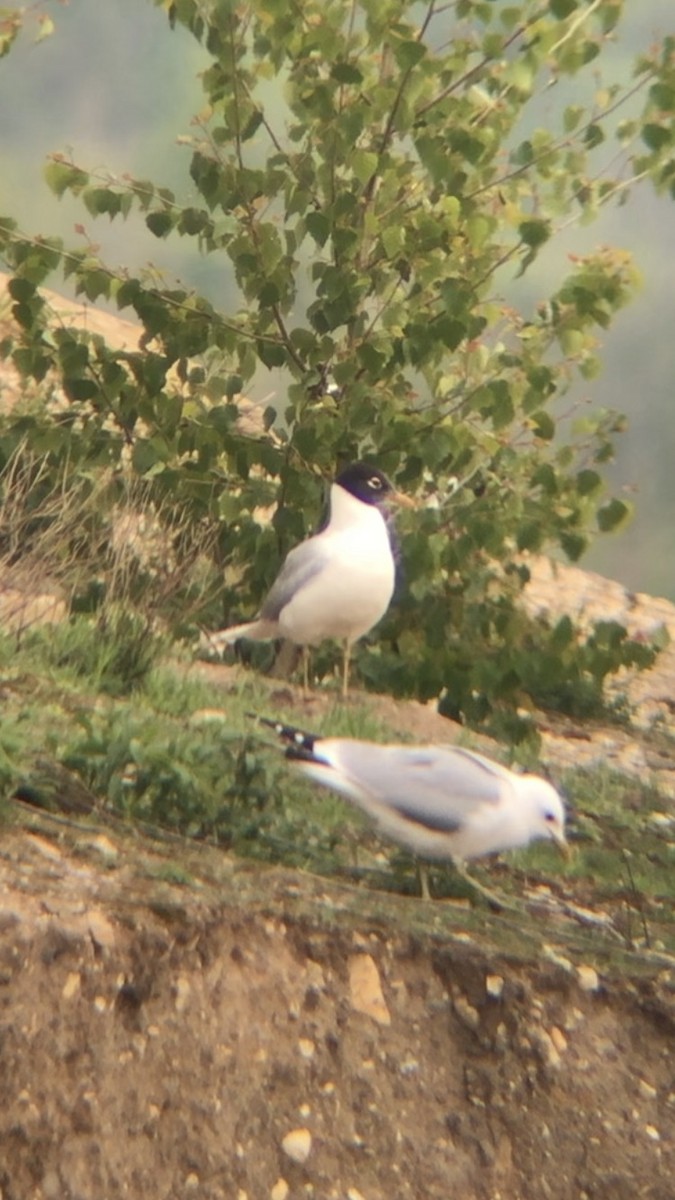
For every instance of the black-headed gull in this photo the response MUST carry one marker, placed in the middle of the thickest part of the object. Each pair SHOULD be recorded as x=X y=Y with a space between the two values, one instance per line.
x=336 y=584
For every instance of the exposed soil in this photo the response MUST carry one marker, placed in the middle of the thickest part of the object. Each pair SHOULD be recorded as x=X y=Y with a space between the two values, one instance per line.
x=162 y=1040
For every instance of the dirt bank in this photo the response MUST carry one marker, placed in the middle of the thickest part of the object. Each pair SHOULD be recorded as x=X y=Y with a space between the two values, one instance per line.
x=252 y=1033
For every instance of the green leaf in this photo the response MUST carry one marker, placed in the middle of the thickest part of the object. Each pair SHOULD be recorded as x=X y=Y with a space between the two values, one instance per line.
x=160 y=223
x=345 y=72
x=80 y=389
x=64 y=177
x=252 y=125
x=544 y=477
x=271 y=355
x=148 y=455
x=534 y=232
x=573 y=545
x=572 y=116
x=126 y=293
x=21 y=289
x=318 y=226
x=613 y=515
x=409 y=53
x=562 y=8
x=594 y=135
x=393 y=240
x=588 y=482
x=363 y=164
x=656 y=136
x=530 y=536
x=193 y=222
x=562 y=635
x=662 y=95
x=543 y=425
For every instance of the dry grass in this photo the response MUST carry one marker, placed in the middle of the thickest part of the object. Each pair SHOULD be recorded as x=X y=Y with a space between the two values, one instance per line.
x=68 y=543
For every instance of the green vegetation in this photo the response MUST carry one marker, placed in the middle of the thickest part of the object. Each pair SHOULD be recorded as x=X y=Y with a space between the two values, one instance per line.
x=182 y=762
x=159 y=752
x=371 y=179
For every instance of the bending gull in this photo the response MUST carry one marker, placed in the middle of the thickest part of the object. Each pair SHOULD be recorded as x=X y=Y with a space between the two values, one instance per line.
x=440 y=802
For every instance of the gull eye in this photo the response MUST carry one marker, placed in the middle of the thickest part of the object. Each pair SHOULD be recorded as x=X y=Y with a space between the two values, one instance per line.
x=550 y=818
x=375 y=483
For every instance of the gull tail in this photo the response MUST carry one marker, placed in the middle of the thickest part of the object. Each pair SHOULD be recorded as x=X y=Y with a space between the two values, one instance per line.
x=300 y=742
x=211 y=644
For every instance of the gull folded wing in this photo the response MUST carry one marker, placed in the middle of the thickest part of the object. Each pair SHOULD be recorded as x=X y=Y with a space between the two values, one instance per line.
x=437 y=787
x=301 y=564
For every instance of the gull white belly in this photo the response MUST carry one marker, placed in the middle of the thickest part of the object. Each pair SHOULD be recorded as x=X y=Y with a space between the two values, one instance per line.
x=350 y=595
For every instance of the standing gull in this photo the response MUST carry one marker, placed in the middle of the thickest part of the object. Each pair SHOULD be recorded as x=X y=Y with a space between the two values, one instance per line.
x=336 y=584
x=440 y=802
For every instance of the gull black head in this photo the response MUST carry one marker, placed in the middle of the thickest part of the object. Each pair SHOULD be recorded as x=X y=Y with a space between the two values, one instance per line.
x=366 y=483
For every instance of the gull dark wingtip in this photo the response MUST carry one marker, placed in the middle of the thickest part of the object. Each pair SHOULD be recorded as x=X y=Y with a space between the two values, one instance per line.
x=303 y=752
x=299 y=738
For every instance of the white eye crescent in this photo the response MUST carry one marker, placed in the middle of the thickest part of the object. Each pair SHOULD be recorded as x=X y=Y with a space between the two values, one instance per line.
x=375 y=483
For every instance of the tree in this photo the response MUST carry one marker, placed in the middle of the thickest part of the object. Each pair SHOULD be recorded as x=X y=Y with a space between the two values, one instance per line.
x=374 y=173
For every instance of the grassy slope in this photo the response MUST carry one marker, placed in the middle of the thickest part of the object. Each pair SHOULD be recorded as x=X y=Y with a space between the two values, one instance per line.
x=179 y=759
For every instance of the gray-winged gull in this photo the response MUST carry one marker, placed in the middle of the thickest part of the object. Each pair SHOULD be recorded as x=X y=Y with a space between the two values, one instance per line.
x=440 y=802
x=336 y=584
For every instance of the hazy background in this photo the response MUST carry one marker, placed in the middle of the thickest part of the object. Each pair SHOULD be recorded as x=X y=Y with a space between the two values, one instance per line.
x=115 y=87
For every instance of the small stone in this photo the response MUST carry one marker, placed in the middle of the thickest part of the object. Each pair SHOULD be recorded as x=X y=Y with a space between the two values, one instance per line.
x=653 y=1133
x=101 y=930
x=8 y=919
x=72 y=985
x=354 y=1194
x=45 y=847
x=646 y=1089
x=409 y=1066
x=544 y=1043
x=205 y=716
x=494 y=986
x=661 y=820
x=280 y=1190
x=315 y=974
x=51 y=1185
x=192 y=1181
x=182 y=989
x=366 y=990
x=103 y=846
x=100 y=1004
x=554 y=956
x=558 y=1038
x=589 y=980
x=306 y=1048
x=501 y=1038
x=360 y=941
x=297 y=1144
x=573 y=1019
x=466 y=1012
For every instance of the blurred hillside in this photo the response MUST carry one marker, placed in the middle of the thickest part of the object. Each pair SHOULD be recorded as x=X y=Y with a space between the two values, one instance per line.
x=116 y=87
